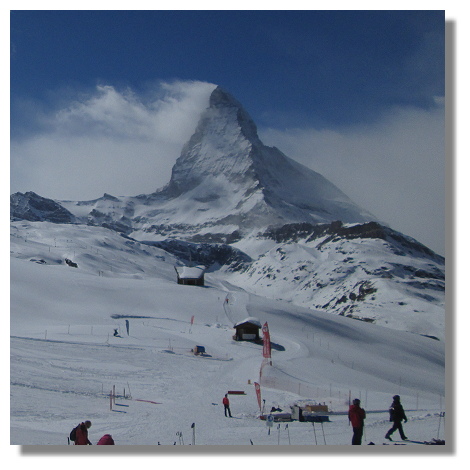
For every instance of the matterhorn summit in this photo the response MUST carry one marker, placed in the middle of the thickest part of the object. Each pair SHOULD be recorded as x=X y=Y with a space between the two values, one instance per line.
x=225 y=176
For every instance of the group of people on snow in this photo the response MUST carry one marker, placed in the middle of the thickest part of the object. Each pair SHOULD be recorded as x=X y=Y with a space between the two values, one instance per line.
x=357 y=415
x=79 y=436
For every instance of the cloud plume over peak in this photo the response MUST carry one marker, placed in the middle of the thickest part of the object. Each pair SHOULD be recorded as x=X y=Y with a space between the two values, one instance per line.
x=113 y=141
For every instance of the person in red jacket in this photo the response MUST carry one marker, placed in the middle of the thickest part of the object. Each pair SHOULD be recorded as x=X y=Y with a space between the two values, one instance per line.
x=82 y=434
x=106 y=440
x=226 y=403
x=357 y=415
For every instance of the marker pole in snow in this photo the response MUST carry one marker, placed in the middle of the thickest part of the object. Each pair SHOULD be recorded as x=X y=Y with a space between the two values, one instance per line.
x=323 y=430
x=180 y=436
x=441 y=415
x=288 y=434
x=194 y=433
x=314 y=432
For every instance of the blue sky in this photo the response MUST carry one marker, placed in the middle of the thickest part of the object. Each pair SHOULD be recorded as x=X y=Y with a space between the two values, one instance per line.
x=321 y=68
x=355 y=95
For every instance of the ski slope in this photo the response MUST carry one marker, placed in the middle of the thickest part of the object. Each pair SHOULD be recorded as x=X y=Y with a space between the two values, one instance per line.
x=65 y=359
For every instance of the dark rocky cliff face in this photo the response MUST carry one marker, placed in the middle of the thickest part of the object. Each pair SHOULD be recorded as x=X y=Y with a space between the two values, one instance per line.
x=31 y=206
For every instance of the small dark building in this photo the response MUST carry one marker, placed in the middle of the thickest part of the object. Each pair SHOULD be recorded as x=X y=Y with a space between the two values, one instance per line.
x=190 y=276
x=247 y=330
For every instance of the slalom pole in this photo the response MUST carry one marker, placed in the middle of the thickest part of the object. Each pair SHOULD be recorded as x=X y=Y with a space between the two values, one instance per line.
x=324 y=440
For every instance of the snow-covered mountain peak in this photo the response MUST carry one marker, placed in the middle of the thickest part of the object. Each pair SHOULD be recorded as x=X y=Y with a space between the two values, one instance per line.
x=220 y=147
x=229 y=175
x=223 y=100
x=292 y=233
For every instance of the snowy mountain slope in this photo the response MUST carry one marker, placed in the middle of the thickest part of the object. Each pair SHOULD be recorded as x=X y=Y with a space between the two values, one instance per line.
x=367 y=271
x=65 y=359
x=30 y=206
x=230 y=177
x=226 y=181
x=272 y=225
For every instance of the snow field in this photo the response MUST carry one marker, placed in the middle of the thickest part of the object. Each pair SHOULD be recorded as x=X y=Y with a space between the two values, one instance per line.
x=65 y=359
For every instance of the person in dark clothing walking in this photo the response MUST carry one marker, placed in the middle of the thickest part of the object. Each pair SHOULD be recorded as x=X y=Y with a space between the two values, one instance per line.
x=357 y=415
x=397 y=415
x=82 y=434
x=226 y=404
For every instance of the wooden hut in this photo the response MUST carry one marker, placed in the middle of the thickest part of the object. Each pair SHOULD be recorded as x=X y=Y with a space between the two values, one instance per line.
x=190 y=276
x=247 y=330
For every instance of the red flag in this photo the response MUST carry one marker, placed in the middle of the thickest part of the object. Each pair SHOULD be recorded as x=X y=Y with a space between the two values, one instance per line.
x=266 y=341
x=258 y=394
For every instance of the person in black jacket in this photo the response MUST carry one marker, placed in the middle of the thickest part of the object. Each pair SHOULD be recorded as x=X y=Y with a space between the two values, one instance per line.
x=397 y=415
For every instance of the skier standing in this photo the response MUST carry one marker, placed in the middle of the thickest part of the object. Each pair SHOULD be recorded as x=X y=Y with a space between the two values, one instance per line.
x=397 y=415
x=226 y=403
x=357 y=415
x=82 y=434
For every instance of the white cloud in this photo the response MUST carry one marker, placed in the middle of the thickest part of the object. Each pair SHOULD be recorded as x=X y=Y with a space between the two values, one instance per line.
x=395 y=168
x=114 y=141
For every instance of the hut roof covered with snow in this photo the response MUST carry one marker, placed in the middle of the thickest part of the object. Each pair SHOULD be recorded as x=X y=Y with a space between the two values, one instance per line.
x=191 y=276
